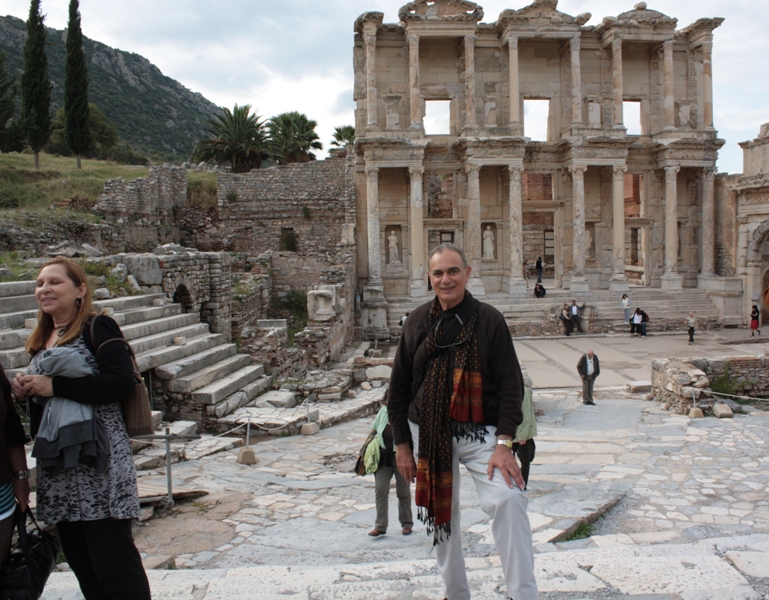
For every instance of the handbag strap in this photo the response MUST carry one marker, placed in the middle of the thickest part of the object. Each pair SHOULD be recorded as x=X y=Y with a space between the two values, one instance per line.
x=137 y=372
x=20 y=518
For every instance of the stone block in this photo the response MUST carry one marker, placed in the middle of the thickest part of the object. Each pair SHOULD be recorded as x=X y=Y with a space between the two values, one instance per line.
x=145 y=268
x=695 y=413
x=639 y=387
x=379 y=372
x=133 y=284
x=722 y=411
x=101 y=294
x=310 y=429
x=246 y=456
x=277 y=399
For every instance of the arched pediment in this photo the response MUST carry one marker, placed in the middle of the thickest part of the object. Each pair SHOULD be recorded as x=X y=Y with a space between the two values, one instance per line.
x=641 y=15
x=441 y=10
x=541 y=12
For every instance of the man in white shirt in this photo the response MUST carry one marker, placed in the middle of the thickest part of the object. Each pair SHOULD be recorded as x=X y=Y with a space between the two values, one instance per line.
x=576 y=320
x=588 y=368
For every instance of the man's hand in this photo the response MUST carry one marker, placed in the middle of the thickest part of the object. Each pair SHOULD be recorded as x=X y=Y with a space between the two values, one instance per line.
x=504 y=460
x=404 y=461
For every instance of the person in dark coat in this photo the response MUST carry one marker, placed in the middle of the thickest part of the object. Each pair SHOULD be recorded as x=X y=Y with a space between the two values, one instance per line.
x=588 y=368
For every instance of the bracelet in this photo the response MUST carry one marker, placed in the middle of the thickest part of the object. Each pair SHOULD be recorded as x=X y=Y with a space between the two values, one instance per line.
x=23 y=474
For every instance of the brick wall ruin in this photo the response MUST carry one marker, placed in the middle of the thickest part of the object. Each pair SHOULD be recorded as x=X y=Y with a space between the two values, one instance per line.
x=154 y=196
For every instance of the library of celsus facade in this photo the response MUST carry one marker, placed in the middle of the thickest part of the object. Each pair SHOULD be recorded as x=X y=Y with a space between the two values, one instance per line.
x=621 y=189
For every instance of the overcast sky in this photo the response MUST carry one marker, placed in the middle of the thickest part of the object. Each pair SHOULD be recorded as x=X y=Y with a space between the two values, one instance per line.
x=297 y=54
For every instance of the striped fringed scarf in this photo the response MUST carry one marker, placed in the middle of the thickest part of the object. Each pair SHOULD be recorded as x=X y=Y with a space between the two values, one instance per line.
x=452 y=406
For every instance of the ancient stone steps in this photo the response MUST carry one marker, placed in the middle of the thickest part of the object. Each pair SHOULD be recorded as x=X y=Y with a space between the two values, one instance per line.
x=157 y=357
x=202 y=377
x=215 y=392
x=17 y=303
x=16 y=288
x=195 y=362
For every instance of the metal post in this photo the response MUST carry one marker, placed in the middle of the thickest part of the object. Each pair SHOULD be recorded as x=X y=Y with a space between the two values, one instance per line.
x=168 y=468
x=248 y=433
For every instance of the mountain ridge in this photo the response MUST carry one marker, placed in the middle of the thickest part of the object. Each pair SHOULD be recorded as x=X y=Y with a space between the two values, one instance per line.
x=153 y=112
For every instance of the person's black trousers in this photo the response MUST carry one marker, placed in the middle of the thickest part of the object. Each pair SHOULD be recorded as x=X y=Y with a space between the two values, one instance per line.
x=104 y=558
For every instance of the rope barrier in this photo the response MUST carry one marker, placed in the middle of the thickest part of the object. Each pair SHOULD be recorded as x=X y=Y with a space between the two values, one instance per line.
x=735 y=396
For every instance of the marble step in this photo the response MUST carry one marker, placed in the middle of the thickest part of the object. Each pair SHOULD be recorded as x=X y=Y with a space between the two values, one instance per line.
x=217 y=391
x=9 y=304
x=242 y=397
x=195 y=362
x=155 y=326
x=160 y=340
x=169 y=352
x=215 y=372
x=16 y=288
x=147 y=313
x=13 y=338
x=15 y=358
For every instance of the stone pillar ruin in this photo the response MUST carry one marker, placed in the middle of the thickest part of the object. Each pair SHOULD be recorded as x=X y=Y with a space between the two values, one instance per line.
x=418 y=283
x=707 y=84
x=669 y=101
x=374 y=245
x=578 y=281
x=470 y=81
x=415 y=96
x=576 y=82
x=708 y=221
x=369 y=36
x=473 y=229
x=671 y=280
x=617 y=83
x=517 y=281
x=618 y=281
x=515 y=95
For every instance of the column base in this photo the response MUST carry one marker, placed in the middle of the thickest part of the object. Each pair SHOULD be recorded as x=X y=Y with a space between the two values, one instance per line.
x=475 y=286
x=705 y=280
x=672 y=282
x=374 y=313
x=517 y=285
x=618 y=283
x=579 y=284
x=417 y=288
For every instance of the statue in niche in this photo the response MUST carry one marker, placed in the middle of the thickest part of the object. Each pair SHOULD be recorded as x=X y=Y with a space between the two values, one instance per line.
x=488 y=243
x=392 y=249
x=589 y=253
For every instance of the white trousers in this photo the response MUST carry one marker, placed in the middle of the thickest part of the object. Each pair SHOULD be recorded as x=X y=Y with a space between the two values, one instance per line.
x=510 y=526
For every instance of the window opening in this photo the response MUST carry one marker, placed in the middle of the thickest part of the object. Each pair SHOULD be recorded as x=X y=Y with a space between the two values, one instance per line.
x=633 y=187
x=437 y=117
x=288 y=239
x=631 y=113
x=535 y=117
x=549 y=246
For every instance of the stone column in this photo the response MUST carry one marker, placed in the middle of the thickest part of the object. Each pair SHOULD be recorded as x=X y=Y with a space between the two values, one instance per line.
x=616 y=75
x=470 y=81
x=578 y=280
x=414 y=85
x=576 y=82
x=618 y=280
x=707 y=84
x=515 y=95
x=369 y=38
x=517 y=281
x=473 y=229
x=671 y=280
x=669 y=100
x=418 y=284
x=708 y=221
x=374 y=244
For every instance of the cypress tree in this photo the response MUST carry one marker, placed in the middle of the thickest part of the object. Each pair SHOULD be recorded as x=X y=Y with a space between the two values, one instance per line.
x=76 y=125
x=35 y=86
x=11 y=132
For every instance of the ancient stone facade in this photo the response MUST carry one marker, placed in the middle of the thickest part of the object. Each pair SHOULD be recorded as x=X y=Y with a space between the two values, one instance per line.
x=154 y=196
x=602 y=198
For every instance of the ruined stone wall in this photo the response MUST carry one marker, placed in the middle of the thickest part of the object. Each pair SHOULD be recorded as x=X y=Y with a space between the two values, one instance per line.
x=682 y=383
x=256 y=210
x=154 y=196
x=250 y=300
x=268 y=345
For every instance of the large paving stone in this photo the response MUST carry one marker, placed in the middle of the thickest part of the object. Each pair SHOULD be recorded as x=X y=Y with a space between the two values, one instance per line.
x=277 y=399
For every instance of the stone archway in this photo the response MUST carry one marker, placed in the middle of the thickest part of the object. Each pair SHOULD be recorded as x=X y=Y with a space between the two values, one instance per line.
x=182 y=296
x=757 y=255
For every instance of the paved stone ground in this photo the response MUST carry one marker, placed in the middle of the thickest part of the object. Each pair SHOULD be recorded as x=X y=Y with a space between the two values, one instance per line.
x=690 y=498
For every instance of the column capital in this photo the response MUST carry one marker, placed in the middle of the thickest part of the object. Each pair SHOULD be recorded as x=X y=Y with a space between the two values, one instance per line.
x=472 y=169
x=616 y=44
x=575 y=42
x=667 y=45
x=414 y=171
x=413 y=39
x=707 y=48
x=512 y=42
x=578 y=170
x=709 y=173
x=470 y=38
x=672 y=170
x=619 y=170
x=515 y=169
x=371 y=171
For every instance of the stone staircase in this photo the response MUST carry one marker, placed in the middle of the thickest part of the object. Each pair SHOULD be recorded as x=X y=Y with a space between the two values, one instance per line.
x=194 y=374
x=666 y=309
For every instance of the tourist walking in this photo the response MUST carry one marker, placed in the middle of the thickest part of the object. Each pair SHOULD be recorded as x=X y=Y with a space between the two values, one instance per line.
x=691 y=325
x=383 y=476
x=539 y=290
x=755 y=317
x=588 y=368
x=636 y=320
x=625 y=303
x=565 y=317
x=456 y=338
x=523 y=444
x=93 y=502
x=538 y=269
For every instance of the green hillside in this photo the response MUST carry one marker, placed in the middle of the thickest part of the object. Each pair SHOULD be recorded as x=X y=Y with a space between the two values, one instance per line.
x=154 y=113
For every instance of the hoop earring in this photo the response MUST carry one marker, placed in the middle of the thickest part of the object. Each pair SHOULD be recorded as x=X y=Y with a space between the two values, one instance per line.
x=78 y=302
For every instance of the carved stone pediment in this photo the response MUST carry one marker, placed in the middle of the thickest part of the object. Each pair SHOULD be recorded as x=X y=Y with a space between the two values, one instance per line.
x=643 y=15
x=441 y=10
x=540 y=13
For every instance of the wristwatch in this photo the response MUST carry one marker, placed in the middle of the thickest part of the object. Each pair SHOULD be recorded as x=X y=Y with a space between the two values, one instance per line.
x=508 y=443
x=23 y=474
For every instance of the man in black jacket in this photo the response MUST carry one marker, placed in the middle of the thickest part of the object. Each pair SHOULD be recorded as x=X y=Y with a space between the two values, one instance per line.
x=588 y=368
x=455 y=394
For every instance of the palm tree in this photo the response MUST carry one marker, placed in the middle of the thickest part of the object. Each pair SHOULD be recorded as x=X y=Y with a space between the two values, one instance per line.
x=343 y=136
x=238 y=137
x=293 y=137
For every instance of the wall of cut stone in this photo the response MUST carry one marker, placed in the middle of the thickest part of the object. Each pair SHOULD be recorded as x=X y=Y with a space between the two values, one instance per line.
x=155 y=196
x=250 y=300
x=268 y=346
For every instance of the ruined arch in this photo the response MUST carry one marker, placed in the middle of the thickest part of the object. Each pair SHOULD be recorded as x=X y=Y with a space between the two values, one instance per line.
x=183 y=296
x=753 y=255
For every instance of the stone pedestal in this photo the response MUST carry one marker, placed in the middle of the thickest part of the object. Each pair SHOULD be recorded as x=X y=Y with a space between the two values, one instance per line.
x=672 y=282
x=475 y=286
x=579 y=284
x=374 y=313
x=517 y=285
x=618 y=283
